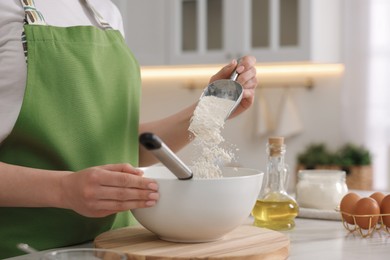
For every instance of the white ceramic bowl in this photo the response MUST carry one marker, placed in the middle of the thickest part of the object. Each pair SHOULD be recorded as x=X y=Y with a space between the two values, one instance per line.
x=200 y=210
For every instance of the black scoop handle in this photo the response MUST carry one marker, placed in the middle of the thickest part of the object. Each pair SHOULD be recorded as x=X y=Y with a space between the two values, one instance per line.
x=154 y=144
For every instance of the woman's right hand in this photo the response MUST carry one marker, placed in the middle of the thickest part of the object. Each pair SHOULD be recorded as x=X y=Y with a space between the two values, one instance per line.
x=105 y=190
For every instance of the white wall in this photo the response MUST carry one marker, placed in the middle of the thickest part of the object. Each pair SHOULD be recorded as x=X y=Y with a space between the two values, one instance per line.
x=146 y=23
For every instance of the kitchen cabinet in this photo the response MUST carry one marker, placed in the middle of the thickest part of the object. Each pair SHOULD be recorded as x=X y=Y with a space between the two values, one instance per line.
x=294 y=30
x=201 y=32
x=216 y=31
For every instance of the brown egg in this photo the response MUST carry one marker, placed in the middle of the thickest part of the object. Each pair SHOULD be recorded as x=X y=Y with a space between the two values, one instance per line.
x=378 y=196
x=366 y=206
x=347 y=205
x=385 y=209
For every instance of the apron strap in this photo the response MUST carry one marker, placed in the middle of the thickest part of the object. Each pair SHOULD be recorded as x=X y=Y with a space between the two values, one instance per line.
x=99 y=19
x=32 y=15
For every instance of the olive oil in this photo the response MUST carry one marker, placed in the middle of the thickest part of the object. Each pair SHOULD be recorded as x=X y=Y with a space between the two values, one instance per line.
x=275 y=209
x=276 y=215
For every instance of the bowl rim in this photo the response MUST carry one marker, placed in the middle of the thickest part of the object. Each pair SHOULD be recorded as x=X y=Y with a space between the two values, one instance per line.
x=257 y=173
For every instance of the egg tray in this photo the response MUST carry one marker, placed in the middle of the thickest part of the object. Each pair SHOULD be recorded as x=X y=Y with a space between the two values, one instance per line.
x=365 y=232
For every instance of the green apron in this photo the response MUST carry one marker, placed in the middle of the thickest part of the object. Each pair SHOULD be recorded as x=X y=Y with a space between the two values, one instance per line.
x=80 y=109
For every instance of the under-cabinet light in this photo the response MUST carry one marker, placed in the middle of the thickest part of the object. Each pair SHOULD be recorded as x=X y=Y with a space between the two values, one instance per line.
x=263 y=71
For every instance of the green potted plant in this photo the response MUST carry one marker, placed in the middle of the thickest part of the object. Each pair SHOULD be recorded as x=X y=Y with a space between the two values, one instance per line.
x=317 y=156
x=356 y=162
x=353 y=155
x=353 y=159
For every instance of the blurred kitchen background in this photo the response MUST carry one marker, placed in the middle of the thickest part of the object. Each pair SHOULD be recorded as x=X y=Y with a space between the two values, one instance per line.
x=323 y=68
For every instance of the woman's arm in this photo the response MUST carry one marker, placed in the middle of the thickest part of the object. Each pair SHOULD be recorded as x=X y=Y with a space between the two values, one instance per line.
x=93 y=192
x=28 y=187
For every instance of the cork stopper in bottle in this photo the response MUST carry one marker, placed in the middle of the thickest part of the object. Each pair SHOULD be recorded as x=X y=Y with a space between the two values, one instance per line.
x=275 y=145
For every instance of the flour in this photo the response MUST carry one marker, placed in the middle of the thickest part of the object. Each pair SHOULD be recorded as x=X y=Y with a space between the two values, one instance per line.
x=206 y=125
x=321 y=189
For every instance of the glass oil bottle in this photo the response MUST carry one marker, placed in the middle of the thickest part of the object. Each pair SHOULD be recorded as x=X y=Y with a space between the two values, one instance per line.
x=274 y=208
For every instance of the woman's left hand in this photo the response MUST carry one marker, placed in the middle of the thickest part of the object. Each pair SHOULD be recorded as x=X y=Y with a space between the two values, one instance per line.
x=247 y=78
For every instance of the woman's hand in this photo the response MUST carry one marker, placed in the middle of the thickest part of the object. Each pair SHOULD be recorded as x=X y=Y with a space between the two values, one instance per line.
x=247 y=78
x=104 y=190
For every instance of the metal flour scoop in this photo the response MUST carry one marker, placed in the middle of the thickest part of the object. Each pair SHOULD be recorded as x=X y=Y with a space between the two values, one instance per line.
x=154 y=144
x=227 y=89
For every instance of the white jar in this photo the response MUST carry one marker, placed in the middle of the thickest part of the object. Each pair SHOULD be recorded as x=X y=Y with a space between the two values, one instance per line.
x=321 y=189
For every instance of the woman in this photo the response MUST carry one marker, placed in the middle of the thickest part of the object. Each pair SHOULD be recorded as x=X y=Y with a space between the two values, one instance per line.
x=70 y=123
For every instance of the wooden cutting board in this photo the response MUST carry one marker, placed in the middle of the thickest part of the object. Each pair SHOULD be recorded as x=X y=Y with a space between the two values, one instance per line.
x=245 y=242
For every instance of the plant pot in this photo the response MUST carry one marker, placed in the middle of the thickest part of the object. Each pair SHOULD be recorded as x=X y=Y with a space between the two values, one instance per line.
x=360 y=177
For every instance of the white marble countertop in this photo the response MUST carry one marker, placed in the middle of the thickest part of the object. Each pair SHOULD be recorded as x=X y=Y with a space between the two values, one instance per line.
x=318 y=239
x=326 y=239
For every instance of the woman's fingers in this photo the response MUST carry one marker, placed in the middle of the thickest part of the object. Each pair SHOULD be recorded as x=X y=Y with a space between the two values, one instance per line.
x=122 y=167
x=103 y=190
x=125 y=194
x=248 y=78
x=104 y=208
x=225 y=72
x=120 y=179
x=246 y=70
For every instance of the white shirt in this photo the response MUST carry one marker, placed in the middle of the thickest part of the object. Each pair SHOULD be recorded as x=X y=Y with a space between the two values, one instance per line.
x=13 y=70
